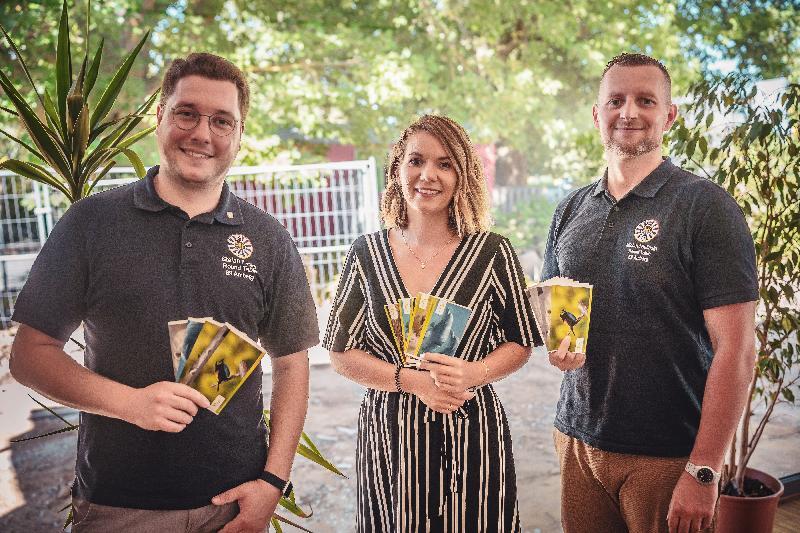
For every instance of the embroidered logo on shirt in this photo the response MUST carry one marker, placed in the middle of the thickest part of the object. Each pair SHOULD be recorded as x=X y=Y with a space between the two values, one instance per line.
x=646 y=231
x=240 y=246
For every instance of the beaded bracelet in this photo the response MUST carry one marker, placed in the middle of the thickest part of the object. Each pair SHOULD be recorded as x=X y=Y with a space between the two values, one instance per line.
x=397 y=379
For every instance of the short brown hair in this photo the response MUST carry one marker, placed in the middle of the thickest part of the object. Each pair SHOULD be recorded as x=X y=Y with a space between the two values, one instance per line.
x=469 y=208
x=627 y=59
x=208 y=66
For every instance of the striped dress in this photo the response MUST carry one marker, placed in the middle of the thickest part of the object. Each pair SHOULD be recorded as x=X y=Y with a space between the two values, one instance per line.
x=418 y=470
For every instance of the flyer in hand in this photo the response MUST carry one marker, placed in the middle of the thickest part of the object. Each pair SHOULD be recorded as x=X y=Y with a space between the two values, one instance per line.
x=562 y=306
x=426 y=323
x=227 y=368
x=212 y=358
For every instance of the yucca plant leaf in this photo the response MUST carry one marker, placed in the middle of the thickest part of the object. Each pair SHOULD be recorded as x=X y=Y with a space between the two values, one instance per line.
x=94 y=68
x=293 y=508
x=80 y=137
x=49 y=410
x=63 y=65
x=115 y=85
x=47 y=146
x=97 y=157
x=10 y=111
x=75 y=100
x=90 y=186
x=33 y=172
x=279 y=518
x=127 y=123
x=52 y=115
x=306 y=452
x=13 y=46
x=136 y=163
x=25 y=145
x=48 y=434
x=45 y=139
x=68 y=521
x=133 y=138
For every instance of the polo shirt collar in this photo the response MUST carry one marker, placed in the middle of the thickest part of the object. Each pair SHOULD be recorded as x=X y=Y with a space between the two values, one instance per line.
x=228 y=210
x=648 y=187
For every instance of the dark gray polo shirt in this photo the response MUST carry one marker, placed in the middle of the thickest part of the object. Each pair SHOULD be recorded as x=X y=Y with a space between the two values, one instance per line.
x=676 y=245
x=124 y=262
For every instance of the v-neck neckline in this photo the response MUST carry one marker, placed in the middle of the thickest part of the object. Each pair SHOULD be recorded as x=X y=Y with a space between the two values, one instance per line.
x=396 y=269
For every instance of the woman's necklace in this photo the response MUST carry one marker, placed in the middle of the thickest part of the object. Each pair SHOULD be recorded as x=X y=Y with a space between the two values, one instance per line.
x=424 y=263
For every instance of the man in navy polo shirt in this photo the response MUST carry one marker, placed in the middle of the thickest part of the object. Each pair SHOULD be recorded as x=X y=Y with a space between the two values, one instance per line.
x=645 y=417
x=125 y=262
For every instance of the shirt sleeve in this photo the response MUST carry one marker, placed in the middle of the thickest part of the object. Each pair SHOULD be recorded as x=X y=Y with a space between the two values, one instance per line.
x=290 y=323
x=53 y=299
x=516 y=319
x=346 y=323
x=724 y=255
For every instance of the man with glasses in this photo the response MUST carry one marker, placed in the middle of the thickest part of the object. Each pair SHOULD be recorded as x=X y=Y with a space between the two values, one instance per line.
x=125 y=262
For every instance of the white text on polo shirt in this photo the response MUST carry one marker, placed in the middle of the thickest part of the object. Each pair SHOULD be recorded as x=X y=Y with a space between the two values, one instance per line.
x=238 y=268
x=640 y=252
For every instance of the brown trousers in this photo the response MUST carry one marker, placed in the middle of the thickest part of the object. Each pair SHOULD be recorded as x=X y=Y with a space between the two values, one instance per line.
x=93 y=518
x=614 y=492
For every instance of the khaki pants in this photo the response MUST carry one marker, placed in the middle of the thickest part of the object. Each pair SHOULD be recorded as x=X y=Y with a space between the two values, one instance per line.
x=614 y=492
x=93 y=518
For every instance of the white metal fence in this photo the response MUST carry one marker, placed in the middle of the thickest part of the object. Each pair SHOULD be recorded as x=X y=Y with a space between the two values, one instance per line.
x=324 y=207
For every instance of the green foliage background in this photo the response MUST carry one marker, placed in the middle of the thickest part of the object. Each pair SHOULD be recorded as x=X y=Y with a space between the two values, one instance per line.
x=521 y=74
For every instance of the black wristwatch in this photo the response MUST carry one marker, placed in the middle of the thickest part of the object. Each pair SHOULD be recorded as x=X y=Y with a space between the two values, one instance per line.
x=282 y=485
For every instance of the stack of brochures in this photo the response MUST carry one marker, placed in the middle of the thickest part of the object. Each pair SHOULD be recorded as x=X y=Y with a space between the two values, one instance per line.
x=562 y=307
x=212 y=358
x=424 y=324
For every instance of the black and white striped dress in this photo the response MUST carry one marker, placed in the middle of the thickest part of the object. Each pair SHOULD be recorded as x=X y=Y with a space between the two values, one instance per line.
x=418 y=470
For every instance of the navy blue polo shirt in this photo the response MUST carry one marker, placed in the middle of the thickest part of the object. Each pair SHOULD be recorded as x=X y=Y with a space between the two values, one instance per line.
x=124 y=262
x=677 y=244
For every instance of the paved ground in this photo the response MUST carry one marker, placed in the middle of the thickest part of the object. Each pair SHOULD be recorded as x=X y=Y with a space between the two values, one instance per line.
x=34 y=476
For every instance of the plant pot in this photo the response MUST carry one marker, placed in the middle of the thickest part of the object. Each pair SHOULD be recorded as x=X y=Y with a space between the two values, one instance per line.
x=750 y=515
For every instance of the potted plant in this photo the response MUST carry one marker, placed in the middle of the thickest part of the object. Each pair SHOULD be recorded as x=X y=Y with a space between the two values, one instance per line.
x=74 y=143
x=749 y=142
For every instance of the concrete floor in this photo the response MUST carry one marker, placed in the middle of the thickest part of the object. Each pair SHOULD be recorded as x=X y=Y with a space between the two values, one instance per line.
x=34 y=476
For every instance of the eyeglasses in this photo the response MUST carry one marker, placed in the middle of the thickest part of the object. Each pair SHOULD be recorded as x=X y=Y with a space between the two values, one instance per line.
x=186 y=118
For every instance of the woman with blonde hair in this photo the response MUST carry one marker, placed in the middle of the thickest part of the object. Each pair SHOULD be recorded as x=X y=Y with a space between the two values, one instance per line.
x=434 y=449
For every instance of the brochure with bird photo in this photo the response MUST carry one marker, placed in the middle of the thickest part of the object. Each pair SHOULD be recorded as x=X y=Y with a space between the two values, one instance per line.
x=212 y=358
x=193 y=328
x=227 y=368
x=435 y=325
x=177 y=334
x=562 y=306
x=207 y=341
x=396 y=324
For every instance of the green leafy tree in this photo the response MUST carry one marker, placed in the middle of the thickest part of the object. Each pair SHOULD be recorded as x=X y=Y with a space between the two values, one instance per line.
x=754 y=155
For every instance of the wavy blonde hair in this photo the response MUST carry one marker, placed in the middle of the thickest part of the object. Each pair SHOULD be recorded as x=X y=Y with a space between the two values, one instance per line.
x=469 y=208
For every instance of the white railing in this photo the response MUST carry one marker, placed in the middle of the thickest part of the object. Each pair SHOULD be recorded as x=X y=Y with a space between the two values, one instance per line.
x=324 y=207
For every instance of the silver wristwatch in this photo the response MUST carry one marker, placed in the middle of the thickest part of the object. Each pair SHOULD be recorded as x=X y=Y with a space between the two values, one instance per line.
x=705 y=475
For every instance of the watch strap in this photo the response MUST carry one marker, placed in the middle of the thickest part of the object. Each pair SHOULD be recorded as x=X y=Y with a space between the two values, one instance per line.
x=281 y=484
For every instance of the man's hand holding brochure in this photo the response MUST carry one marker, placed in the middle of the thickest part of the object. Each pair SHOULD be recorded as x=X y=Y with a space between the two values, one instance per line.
x=213 y=358
x=562 y=308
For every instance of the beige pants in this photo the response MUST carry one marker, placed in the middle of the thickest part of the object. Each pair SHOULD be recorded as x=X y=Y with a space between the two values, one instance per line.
x=614 y=492
x=93 y=518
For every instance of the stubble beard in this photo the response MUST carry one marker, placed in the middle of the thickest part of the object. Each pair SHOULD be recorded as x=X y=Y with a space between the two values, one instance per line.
x=631 y=150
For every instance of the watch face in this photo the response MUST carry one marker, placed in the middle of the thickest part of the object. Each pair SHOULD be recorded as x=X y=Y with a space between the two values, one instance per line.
x=705 y=475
